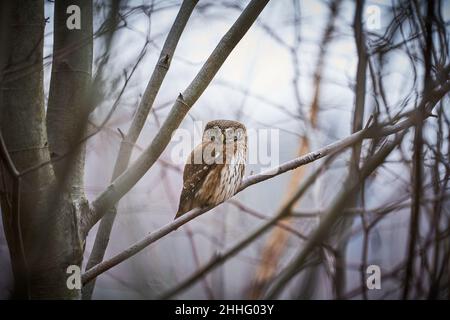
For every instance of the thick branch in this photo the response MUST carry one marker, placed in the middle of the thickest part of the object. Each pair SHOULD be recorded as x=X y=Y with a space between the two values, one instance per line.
x=131 y=176
x=181 y=221
x=287 y=166
x=126 y=146
x=70 y=83
x=371 y=132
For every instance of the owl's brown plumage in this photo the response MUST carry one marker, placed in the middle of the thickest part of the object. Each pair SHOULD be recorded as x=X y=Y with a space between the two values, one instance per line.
x=215 y=168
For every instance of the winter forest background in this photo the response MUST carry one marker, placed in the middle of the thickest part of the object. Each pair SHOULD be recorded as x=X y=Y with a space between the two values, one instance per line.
x=315 y=71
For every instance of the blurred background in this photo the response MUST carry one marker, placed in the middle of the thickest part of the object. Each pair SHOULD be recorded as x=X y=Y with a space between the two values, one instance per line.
x=295 y=71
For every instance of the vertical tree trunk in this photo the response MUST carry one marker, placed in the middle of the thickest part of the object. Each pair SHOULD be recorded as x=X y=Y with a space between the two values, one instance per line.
x=68 y=104
x=41 y=229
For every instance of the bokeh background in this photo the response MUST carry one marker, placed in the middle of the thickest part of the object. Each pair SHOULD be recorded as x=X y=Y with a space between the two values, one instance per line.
x=268 y=82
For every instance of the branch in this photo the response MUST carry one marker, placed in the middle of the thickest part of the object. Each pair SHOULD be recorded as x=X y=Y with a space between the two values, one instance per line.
x=104 y=266
x=220 y=259
x=416 y=175
x=366 y=133
x=276 y=242
x=120 y=186
x=128 y=142
x=334 y=212
x=12 y=217
x=287 y=166
x=6 y=158
x=339 y=280
x=332 y=215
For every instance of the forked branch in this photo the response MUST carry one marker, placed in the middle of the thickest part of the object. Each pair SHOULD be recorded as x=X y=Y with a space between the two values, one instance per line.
x=120 y=186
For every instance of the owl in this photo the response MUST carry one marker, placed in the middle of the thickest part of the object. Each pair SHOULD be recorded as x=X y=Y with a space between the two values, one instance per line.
x=214 y=169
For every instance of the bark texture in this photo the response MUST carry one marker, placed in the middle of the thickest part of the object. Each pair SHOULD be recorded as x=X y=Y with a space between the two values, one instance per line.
x=42 y=228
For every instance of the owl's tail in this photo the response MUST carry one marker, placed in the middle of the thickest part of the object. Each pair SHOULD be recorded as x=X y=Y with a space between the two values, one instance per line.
x=179 y=214
x=182 y=209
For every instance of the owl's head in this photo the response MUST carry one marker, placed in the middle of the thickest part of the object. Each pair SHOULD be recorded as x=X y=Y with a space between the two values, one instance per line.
x=225 y=132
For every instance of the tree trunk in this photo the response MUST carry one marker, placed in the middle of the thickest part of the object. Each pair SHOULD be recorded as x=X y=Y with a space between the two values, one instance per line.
x=41 y=229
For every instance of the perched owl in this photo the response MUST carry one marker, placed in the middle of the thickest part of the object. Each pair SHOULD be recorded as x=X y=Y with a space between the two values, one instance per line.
x=214 y=169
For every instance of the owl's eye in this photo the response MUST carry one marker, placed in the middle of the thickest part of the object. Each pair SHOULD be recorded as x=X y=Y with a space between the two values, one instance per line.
x=212 y=135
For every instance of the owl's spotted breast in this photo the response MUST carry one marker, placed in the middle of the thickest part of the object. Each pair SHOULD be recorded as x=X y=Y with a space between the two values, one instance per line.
x=222 y=186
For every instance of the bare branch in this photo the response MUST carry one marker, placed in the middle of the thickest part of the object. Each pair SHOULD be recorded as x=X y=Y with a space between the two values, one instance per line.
x=126 y=146
x=330 y=149
x=357 y=124
x=220 y=259
x=117 y=189
x=414 y=226
x=333 y=214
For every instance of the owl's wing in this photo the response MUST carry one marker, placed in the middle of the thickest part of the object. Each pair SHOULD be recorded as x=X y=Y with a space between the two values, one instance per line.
x=194 y=176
